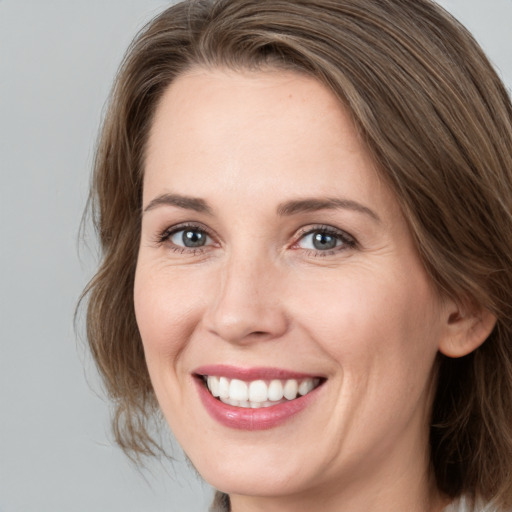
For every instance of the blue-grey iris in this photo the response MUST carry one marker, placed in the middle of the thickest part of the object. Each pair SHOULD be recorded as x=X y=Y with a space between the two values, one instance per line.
x=323 y=241
x=194 y=238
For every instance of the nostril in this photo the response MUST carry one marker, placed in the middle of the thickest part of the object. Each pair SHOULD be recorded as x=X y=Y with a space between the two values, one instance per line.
x=238 y=321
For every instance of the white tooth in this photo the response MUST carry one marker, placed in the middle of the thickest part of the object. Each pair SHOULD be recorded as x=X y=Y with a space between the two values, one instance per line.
x=213 y=385
x=255 y=405
x=238 y=390
x=234 y=403
x=275 y=390
x=257 y=391
x=223 y=387
x=290 y=389
x=306 y=386
x=245 y=404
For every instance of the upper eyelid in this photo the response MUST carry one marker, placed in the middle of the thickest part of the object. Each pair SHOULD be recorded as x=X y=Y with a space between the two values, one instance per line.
x=187 y=225
x=326 y=228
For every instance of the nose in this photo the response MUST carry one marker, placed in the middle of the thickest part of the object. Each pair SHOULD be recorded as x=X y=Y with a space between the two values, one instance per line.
x=248 y=305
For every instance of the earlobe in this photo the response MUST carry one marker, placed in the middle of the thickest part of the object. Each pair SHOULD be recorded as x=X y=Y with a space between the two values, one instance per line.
x=465 y=331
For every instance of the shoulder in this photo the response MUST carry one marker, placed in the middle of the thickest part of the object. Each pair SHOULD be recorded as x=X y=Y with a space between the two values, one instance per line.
x=463 y=505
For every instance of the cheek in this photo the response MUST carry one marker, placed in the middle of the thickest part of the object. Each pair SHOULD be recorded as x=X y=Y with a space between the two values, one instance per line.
x=383 y=322
x=166 y=311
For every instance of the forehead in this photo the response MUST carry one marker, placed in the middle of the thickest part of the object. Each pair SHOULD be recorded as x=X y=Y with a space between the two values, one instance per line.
x=220 y=104
x=277 y=128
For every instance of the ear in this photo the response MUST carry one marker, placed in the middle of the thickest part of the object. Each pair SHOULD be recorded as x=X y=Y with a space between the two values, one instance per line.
x=465 y=329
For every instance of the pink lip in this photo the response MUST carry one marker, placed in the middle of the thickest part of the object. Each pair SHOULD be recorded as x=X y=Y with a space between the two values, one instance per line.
x=251 y=419
x=248 y=374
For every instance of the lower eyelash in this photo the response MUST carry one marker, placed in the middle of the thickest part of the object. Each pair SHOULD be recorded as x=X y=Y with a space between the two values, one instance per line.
x=322 y=254
x=188 y=250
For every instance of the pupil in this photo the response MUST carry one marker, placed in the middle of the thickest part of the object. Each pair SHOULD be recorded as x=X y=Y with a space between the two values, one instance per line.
x=323 y=241
x=193 y=239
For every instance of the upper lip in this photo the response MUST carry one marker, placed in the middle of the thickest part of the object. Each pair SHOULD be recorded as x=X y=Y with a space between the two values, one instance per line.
x=253 y=373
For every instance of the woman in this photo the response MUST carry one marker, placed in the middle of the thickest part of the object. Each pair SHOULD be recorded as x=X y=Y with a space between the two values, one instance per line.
x=305 y=209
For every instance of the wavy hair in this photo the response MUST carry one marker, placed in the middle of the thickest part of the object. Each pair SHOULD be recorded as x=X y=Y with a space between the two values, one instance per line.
x=438 y=122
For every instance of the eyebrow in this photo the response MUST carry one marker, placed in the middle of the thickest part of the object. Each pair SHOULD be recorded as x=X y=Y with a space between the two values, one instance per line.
x=285 y=209
x=314 y=204
x=185 y=202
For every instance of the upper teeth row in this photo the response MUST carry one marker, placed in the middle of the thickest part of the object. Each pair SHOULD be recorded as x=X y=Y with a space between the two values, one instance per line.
x=259 y=390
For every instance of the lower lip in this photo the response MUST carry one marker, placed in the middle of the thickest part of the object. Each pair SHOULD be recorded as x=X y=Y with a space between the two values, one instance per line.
x=242 y=418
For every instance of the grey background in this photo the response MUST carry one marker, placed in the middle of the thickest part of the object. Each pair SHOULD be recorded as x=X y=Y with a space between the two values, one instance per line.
x=57 y=61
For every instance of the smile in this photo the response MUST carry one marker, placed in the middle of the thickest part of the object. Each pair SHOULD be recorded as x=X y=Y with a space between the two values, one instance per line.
x=255 y=398
x=258 y=393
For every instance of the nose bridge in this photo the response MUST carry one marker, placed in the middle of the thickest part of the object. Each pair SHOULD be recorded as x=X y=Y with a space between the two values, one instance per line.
x=247 y=305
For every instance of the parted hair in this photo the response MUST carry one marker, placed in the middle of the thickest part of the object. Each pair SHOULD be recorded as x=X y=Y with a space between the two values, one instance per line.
x=438 y=122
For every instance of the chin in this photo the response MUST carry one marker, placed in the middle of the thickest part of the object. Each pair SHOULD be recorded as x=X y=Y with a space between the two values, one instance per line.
x=252 y=481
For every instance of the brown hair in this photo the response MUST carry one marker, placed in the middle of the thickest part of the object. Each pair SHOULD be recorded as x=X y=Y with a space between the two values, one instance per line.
x=438 y=122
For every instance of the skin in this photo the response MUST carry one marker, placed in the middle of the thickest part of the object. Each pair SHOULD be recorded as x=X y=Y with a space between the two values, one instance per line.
x=363 y=315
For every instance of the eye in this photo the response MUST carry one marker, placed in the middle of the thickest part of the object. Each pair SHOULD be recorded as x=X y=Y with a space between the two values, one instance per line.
x=325 y=239
x=190 y=238
x=185 y=237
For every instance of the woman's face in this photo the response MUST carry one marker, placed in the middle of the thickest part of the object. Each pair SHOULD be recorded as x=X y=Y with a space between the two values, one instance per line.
x=272 y=252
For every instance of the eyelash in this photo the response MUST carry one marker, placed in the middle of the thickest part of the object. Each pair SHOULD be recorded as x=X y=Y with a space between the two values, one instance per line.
x=166 y=235
x=347 y=241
